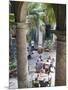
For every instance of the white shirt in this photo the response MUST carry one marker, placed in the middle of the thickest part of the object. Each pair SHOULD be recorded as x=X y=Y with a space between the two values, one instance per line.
x=32 y=43
x=43 y=76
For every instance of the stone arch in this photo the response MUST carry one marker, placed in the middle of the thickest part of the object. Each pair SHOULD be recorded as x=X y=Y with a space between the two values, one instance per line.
x=22 y=11
x=22 y=77
x=59 y=10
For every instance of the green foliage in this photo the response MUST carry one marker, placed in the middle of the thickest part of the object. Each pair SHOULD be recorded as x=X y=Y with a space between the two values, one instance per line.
x=50 y=13
x=35 y=8
x=11 y=18
x=28 y=37
x=31 y=7
x=48 y=44
x=12 y=64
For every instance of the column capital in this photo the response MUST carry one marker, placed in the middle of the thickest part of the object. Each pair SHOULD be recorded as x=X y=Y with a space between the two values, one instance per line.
x=61 y=35
x=21 y=25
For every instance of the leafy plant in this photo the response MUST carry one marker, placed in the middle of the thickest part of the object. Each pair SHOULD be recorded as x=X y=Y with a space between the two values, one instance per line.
x=11 y=18
x=48 y=44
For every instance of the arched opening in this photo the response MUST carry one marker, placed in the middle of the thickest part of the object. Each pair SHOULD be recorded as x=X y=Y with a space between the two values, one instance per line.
x=38 y=16
x=24 y=17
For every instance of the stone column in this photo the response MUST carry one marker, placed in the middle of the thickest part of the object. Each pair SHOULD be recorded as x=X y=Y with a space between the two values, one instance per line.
x=60 y=78
x=60 y=14
x=22 y=63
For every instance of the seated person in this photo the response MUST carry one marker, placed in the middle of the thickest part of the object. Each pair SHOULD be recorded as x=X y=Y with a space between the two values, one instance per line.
x=45 y=83
x=42 y=70
x=49 y=57
x=43 y=76
x=48 y=61
x=52 y=69
x=46 y=70
x=52 y=66
x=46 y=67
x=36 y=82
x=53 y=62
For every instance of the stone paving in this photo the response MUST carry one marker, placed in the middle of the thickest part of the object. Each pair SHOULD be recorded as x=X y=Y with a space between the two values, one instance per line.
x=33 y=60
x=35 y=56
x=13 y=83
x=31 y=64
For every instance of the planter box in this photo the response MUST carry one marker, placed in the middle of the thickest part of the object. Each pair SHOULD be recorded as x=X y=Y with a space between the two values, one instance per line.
x=46 y=49
x=40 y=50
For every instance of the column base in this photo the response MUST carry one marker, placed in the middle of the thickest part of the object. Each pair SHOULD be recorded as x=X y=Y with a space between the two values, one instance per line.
x=22 y=84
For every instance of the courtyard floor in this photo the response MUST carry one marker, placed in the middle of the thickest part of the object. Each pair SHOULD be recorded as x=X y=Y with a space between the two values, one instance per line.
x=31 y=67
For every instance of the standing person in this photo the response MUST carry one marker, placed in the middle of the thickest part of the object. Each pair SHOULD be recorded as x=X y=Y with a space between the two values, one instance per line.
x=41 y=61
x=29 y=52
x=32 y=46
x=47 y=28
x=53 y=62
x=49 y=59
x=40 y=58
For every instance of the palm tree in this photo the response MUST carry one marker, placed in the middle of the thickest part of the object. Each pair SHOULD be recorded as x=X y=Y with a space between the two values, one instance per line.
x=49 y=12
